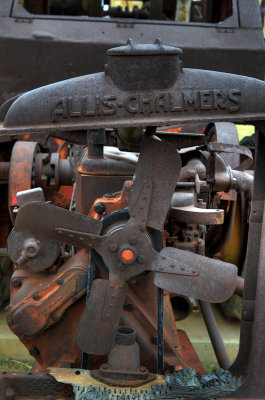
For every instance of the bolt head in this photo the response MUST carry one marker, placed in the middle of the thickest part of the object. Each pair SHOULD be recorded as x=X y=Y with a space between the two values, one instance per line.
x=127 y=255
x=31 y=248
x=141 y=259
x=16 y=282
x=99 y=208
x=133 y=239
x=113 y=247
x=59 y=281
x=105 y=366
x=121 y=266
x=143 y=369
x=36 y=296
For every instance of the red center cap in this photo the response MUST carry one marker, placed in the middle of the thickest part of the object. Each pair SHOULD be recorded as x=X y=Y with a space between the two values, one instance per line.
x=127 y=255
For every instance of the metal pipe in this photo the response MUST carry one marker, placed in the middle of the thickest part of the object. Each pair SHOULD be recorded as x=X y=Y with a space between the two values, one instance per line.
x=239 y=286
x=215 y=336
x=182 y=307
x=160 y=331
x=90 y=279
x=241 y=181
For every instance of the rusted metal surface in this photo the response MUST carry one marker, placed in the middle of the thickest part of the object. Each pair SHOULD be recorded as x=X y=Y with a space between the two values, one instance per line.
x=113 y=254
x=111 y=202
x=135 y=312
x=34 y=254
x=127 y=250
x=67 y=40
x=98 y=175
x=38 y=301
x=196 y=215
x=140 y=312
x=83 y=378
x=21 y=171
x=33 y=386
x=250 y=357
x=152 y=100
x=123 y=365
x=254 y=386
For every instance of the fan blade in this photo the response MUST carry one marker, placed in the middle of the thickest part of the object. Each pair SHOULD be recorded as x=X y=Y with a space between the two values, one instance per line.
x=55 y=223
x=100 y=319
x=215 y=282
x=160 y=163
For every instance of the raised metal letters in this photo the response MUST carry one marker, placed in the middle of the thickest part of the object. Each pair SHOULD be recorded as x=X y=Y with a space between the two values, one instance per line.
x=147 y=103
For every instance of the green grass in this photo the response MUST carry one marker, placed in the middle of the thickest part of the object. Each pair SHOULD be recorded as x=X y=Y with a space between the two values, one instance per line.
x=15 y=365
x=24 y=366
x=209 y=367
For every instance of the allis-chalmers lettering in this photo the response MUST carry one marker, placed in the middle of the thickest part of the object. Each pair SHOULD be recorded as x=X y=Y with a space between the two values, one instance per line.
x=148 y=103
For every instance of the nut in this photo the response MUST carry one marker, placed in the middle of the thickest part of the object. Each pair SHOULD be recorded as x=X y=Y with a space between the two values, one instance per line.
x=113 y=247
x=16 y=282
x=133 y=239
x=141 y=259
x=99 y=208
x=121 y=266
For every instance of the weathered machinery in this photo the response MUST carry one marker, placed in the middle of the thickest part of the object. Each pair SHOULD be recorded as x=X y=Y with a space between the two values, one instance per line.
x=53 y=40
x=61 y=39
x=135 y=228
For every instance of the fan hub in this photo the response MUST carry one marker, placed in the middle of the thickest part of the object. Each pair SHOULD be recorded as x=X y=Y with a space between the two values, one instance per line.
x=127 y=255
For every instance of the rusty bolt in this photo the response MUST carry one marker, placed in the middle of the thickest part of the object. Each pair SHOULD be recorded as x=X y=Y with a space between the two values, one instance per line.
x=59 y=281
x=121 y=266
x=113 y=247
x=33 y=351
x=36 y=296
x=133 y=239
x=54 y=317
x=16 y=282
x=105 y=366
x=99 y=208
x=142 y=369
x=141 y=259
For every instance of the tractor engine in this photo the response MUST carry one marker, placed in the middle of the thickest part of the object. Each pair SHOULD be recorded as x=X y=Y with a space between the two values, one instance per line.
x=114 y=235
